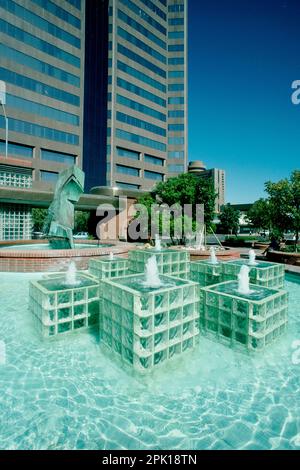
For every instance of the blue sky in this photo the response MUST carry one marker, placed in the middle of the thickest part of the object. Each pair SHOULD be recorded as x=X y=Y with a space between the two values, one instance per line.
x=243 y=57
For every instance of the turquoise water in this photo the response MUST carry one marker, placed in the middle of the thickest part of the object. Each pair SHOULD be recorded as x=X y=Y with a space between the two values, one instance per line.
x=46 y=246
x=64 y=394
x=256 y=292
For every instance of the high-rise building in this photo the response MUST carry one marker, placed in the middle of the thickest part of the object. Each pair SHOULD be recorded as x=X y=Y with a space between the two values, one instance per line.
x=98 y=83
x=216 y=176
x=147 y=92
x=41 y=62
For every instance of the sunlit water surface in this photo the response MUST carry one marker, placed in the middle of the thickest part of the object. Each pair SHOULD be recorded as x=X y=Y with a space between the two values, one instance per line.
x=65 y=394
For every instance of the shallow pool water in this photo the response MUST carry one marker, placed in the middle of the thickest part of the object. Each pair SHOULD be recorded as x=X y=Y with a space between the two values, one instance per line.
x=65 y=394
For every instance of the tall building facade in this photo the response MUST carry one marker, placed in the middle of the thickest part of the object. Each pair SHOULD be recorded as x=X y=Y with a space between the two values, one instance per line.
x=216 y=176
x=98 y=83
x=41 y=62
x=147 y=92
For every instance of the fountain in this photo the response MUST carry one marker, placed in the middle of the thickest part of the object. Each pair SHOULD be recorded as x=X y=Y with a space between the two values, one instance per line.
x=244 y=281
x=262 y=273
x=152 y=274
x=111 y=256
x=71 y=275
x=169 y=261
x=252 y=256
x=213 y=258
x=157 y=243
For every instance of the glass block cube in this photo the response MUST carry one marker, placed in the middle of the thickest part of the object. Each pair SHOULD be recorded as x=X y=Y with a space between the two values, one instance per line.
x=170 y=262
x=104 y=267
x=249 y=322
x=59 y=308
x=263 y=274
x=158 y=321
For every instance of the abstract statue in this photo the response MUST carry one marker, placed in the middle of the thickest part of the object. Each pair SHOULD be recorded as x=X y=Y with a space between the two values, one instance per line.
x=59 y=223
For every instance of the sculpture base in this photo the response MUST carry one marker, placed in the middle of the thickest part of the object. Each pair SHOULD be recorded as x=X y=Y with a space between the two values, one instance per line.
x=60 y=243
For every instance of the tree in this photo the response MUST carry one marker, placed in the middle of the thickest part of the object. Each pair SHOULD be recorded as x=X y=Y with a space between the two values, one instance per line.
x=284 y=204
x=38 y=219
x=81 y=221
x=229 y=219
x=175 y=193
x=259 y=214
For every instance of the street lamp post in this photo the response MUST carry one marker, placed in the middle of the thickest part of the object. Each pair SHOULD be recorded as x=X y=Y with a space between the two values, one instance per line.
x=2 y=102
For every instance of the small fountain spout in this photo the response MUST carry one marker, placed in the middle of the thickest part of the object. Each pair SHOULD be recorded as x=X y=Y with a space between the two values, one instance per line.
x=152 y=273
x=157 y=243
x=111 y=256
x=213 y=258
x=252 y=256
x=244 y=281
x=71 y=275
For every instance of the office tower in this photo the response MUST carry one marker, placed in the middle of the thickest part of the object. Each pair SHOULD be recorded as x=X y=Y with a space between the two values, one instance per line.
x=147 y=92
x=217 y=177
x=98 y=83
x=41 y=61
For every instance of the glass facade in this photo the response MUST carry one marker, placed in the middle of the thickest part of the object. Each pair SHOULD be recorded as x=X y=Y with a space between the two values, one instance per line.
x=128 y=153
x=141 y=108
x=154 y=160
x=41 y=59
x=16 y=150
x=147 y=126
x=127 y=170
x=140 y=140
x=58 y=157
x=152 y=175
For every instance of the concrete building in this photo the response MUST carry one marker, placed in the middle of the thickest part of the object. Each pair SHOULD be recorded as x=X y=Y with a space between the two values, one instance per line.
x=217 y=177
x=99 y=83
x=147 y=92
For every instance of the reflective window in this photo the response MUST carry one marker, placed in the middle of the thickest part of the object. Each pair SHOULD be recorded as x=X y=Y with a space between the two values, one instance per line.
x=39 y=22
x=176 y=100
x=176 y=140
x=176 y=87
x=75 y=3
x=176 y=74
x=176 y=168
x=38 y=43
x=49 y=176
x=176 y=35
x=38 y=87
x=59 y=12
x=121 y=152
x=141 y=45
x=154 y=8
x=176 y=48
x=38 y=65
x=15 y=125
x=140 y=60
x=127 y=185
x=141 y=108
x=154 y=160
x=176 y=154
x=152 y=175
x=176 y=113
x=176 y=127
x=142 y=14
x=138 y=139
x=127 y=170
x=140 y=92
x=58 y=157
x=176 y=21
x=141 y=76
x=147 y=126
x=176 y=61
x=42 y=110
x=138 y=27
x=16 y=150
x=176 y=8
